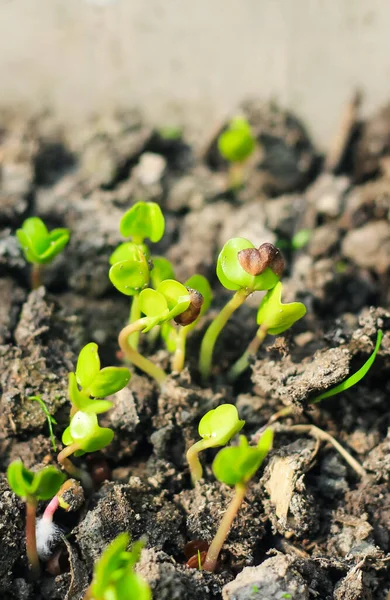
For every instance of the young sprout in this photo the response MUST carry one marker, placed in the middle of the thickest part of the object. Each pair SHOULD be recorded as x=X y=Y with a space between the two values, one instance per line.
x=245 y=269
x=236 y=144
x=171 y=300
x=235 y=466
x=50 y=419
x=199 y=283
x=83 y=435
x=40 y=246
x=130 y=268
x=216 y=428
x=114 y=577
x=91 y=382
x=341 y=387
x=32 y=487
x=273 y=317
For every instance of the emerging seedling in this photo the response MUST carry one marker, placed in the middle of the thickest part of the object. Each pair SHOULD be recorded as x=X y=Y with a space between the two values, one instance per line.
x=40 y=246
x=235 y=466
x=171 y=300
x=273 y=317
x=32 y=487
x=90 y=382
x=245 y=269
x=216 y=428
x=83 y=435
x=236 y=144
x=50 y=420
x=114 y=577
x=130 y=268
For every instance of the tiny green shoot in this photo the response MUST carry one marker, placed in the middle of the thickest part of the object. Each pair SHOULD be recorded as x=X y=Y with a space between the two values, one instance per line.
x=216 y=428
x=32 y=487
x=236 y=144
x=114 y=577
x=301 y=238
x=244 y=269
x=273 y=317
x=50 y=420
x=235 y=466
x=40 y=246
x=143 y=220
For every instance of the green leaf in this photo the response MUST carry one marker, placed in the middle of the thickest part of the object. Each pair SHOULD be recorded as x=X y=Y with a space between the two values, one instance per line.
x=88 y=365
x=40 y=246
x=152 y=303
x=176 y=295
x=220 y=425
x=85 y=431
x=275 y=316
x=112 y=559
x=231 y=274
x=143 y=220
x=42 y=485
x=78 y=398
x=131 y=585
x=237 y=464
x=356 y=377
x=162 y=269
x=130 y=277
x=129 y=251
x=109 y=381
x=237 y=143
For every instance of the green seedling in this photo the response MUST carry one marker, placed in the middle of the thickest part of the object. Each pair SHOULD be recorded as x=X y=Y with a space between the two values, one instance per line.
x=90 y=382
x=235 y=466
x=171 y=300
x=130 y=270
x=40 y=246
x=236 y=144
x=301 y=239
x=216 y=428
x=199 y=283
x=32 y=487
x=244 y=269
x=114 y=577
x=50 y=420
x=273 y=317
x=83 y=434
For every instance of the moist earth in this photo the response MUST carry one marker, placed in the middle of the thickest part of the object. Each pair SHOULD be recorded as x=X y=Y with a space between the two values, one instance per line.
x=310 y=526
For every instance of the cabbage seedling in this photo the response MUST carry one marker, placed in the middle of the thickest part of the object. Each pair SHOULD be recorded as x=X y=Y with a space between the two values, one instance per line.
x=32 y=487
x=130 y=268
x=236 y=144
x=40 y=246
x=171 y=300
x=273 y=317
x=83 y=435
x=90 y=382
x=114 y=577
x=244 y=269
x=216 y=428
x=235 y=466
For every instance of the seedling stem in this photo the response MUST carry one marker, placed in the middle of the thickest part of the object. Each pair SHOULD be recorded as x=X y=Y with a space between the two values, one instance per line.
x=36 y=280
x=134 y=356
x=31 y=541
x=135 y=314
x=243 y=362
x=70 y=468
x=180 y=352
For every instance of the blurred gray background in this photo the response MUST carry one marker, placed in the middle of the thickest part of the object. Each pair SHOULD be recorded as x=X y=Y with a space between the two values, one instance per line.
x=191 y=61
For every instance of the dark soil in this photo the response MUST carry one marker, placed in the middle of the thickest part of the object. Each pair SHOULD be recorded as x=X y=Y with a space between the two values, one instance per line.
x=310 y=527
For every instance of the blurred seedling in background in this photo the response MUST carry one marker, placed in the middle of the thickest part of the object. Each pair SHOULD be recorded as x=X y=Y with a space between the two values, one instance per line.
x=50 y=420
x=130 y=270
x=90 y=384
x=273 y=317
x=216 y=428
x=171 y=300
x=32 y=487
x=236 y=144
x=244 y=269
x=114 y=577
x=40 y=246
x=235 y=466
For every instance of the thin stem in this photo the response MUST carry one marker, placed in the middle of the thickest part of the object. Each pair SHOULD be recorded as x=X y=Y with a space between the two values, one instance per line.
x=215 y=328
x=236 y=175
x=31 y=540
x=180 y=352
x=70 y=468
x=316 y=432
x=51 y=508
x=35 y=276
x=223 y=530
x=242 y=363
x=193 y=459
x=134 y=356
x=135 y=314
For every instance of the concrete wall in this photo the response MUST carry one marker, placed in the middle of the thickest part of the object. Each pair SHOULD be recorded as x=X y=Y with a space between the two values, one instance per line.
x=190 y=61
